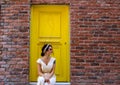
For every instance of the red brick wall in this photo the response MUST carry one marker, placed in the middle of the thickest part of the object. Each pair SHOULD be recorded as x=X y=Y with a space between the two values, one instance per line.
x=95 y=41
x=14 y=42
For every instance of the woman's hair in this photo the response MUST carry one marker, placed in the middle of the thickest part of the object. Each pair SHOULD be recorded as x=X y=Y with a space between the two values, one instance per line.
x=45 y=48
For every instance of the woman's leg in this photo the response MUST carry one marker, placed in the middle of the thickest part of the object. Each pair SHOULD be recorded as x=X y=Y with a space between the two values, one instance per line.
x=40 y=81
x=52 y=81
x=46 y=83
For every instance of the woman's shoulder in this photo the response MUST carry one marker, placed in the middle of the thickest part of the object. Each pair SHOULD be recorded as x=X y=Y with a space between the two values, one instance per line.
x=39 y=60
x=53 y=58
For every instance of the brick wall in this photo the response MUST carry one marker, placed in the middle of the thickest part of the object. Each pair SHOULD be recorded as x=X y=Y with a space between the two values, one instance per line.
x=95 y=41
x=14 y=42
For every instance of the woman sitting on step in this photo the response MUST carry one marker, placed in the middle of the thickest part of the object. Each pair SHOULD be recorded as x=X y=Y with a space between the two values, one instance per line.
x=46 y=67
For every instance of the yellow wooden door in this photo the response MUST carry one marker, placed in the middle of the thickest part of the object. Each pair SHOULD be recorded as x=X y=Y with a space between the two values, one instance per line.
x=50 y=24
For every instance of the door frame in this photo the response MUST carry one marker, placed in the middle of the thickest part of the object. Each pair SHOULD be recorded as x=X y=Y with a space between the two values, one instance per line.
x=68 y=63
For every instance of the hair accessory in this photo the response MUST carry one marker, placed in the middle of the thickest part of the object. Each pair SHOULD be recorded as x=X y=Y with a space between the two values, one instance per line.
x=45 y=48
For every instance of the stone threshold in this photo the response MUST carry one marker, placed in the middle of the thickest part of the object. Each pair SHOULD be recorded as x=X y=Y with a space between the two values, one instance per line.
x=57 y=83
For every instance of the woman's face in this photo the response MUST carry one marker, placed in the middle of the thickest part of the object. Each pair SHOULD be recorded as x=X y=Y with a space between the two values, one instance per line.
x=50 y=50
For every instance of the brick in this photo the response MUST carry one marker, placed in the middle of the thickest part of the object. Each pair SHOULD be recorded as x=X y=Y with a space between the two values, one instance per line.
x=94 y=37
x=100 y=42
x=11 y=16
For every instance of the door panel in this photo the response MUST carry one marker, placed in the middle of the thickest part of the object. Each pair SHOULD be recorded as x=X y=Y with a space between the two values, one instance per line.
x=50 y=24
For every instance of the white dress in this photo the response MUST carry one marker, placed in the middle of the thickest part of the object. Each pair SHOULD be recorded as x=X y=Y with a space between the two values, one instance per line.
x=46 y=69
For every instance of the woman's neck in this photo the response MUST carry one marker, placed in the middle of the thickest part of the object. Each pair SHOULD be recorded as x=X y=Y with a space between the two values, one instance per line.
x=47 y=56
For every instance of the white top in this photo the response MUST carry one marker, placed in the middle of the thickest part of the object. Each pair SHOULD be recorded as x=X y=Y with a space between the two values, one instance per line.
x=46 y=68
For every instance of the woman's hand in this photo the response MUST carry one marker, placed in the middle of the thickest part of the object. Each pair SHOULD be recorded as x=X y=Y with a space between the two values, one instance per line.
x=47 y=77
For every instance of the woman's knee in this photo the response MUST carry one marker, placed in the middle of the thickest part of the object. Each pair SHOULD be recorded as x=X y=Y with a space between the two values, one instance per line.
x=52 y=81
x=41 y=79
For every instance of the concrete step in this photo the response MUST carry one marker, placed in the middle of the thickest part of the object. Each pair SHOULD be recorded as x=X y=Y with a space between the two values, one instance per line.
x=57 y=83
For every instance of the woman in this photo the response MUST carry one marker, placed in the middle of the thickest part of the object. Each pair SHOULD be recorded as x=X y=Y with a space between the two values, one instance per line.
x=46 y=67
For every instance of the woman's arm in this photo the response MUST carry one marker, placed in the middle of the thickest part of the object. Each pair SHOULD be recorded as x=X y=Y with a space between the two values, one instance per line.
x=53 y=70
x=40 y=70
x=40 y=73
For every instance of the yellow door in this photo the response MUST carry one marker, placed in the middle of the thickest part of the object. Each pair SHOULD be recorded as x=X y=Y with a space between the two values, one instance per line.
x=50 y=24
